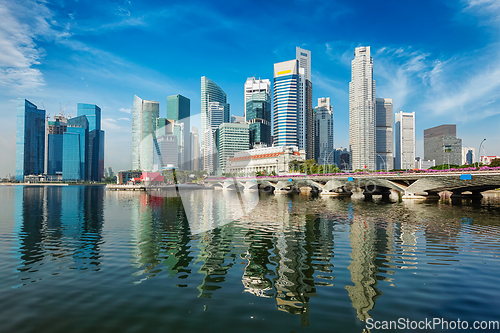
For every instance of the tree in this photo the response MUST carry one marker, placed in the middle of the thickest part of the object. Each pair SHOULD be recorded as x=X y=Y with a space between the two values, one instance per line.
x=495 y=163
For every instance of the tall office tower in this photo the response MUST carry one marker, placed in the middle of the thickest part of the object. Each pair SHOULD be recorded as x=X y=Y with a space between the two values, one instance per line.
x=166 y=145
x=144 y=117
x=292 y=111
x=95 y=164
x=54 y=146
x=468 y=155
x=285 y=106
x=30 y=139
x=323 y=132
x=258 y=116
x=75 y=149
x=195 y=148
x=253 y=86
x=179 y=109
x=214 y=117
x=230 y=138
x=211 y=92
x=441 y=144
x=405 y=140
x=362 y=111
x=384 y=135
x=306 y=111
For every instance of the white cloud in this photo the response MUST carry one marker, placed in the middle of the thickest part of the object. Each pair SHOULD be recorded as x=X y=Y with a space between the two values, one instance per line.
x=125 y=110
x=127 y=119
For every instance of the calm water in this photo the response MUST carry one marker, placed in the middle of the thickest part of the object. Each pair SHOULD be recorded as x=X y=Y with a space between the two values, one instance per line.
x=83 y=259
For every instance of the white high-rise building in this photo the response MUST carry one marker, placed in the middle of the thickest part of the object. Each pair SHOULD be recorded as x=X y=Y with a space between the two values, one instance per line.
x=305 y=129
x=362 y=140
x=215 y=117
x=384 y=134
x=253 y=86
x=144 y=115
x=405 y=140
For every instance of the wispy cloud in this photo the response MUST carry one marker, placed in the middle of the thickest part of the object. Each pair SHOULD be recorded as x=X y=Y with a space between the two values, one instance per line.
x=19 y=51
x=398 y=72
x=127 y=119
x=125 y=110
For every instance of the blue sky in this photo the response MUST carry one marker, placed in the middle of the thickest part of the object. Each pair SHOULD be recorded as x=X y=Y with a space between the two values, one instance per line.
x=440 y=59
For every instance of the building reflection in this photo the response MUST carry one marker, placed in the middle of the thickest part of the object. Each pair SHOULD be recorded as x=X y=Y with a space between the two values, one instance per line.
x=54 y=223
x=161 y=235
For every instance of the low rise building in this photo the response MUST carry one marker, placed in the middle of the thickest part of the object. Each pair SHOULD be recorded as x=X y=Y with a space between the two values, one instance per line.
x=268 y=160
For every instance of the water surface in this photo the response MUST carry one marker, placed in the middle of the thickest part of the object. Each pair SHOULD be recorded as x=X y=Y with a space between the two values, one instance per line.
x=83 y=259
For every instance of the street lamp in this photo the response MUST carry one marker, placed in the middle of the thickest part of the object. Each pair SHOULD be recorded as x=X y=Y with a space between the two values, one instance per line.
x=479 y=152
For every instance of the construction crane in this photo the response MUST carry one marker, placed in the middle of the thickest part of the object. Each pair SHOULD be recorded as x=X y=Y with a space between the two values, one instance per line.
x=61 y=111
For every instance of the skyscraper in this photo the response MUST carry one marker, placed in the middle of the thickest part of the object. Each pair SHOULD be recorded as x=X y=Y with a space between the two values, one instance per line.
x=54 y=147
x=230 y=138
x=258 y=116
x=285 y=106
x=195 y=151
x=442 y=145
x=211 y=93
x=144 y=117
x=405 y=140
x=214 y=118
x=362 y=140
x=306 y=111
x=75 y=149
x=179 y=109
x=253 y=86
x=95 y=150
x=30 y=139
x=293 y=112
x=384 y=135
x=323 y=132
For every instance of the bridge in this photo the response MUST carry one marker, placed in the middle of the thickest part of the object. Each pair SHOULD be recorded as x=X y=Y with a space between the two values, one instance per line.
x=409 y=185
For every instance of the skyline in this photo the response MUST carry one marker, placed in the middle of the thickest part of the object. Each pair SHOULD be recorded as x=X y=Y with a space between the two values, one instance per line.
x=446 y=70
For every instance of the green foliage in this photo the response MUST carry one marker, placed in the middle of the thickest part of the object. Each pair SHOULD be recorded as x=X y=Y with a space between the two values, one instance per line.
x=495 y=163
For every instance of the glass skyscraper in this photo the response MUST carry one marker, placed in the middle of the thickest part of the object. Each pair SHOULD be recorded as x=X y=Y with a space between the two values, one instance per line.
x=55 y=131
x=285 y=108
x=323 y=132
x=292 y=111
x=220 y=113
x=75 y=149
x=179 y=109
x=384 y=135
x=30 y=139
x=258 y=116
x=95 y=150
x=144 y=117
x=230 y=138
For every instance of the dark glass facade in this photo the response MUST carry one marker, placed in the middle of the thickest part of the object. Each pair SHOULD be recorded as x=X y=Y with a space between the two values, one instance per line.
x=95 y=149
x=75 y=149
x=55 y=154
x=30 y=139
x=258 y=116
